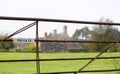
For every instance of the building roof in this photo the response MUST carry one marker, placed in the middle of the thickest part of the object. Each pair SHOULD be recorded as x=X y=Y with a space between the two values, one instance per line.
x=59 y=36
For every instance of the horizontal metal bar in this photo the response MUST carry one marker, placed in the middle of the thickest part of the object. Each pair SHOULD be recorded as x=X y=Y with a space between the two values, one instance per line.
x=6 y=40
x=85 y=71
x=20 y=60
x=62 y=59
x=56 y=59
x=75 y=41
x=55 y=20
x=79 y=41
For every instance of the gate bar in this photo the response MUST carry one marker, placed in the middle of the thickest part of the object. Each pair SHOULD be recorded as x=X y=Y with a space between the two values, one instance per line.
x=75 y=41
x=85 y=71
x=57 y=59
x=80 y=41
x=20 y=30
x=104 y=50
x=56 y=20
x=37 y=50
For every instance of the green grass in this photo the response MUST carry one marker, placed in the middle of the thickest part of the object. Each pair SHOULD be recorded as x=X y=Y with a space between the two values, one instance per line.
x=52 y=66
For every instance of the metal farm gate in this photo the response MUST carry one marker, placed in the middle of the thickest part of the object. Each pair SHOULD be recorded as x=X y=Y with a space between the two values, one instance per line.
x=37 y=40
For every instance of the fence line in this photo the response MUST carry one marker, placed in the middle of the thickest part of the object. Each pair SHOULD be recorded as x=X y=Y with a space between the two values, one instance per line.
x=74 y=41
x=56 y=20
x=85 y=71
x=56 y=59
x=81 y=41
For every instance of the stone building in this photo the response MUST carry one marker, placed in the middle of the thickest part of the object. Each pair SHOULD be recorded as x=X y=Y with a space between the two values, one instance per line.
x=58 y=46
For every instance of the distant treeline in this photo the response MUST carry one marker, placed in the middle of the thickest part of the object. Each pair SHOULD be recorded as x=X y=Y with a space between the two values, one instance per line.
x=99 y=32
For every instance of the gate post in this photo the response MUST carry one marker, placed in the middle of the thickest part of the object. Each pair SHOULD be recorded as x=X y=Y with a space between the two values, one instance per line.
x=37 y=50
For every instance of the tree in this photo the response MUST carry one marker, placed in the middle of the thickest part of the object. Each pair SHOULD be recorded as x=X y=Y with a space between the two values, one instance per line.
x=5 y=45
x=99 y=33
x=82 y=33
x=104 y=33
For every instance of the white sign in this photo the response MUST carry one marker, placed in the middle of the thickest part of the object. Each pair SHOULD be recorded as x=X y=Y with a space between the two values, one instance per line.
x=23 y=40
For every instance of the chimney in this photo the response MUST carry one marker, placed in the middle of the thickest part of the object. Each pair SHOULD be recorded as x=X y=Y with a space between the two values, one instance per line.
x=65 y=29
x=55 y=31
x=45 y=34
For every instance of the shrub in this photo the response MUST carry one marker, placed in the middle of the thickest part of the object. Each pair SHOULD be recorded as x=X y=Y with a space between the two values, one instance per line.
x=30 y=47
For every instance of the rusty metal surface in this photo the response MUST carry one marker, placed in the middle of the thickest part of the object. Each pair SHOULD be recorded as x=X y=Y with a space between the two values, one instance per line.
x=56 y=20
x=56 y=59
x=37 y=49
x=8 y=40
x=74 y=41
x=85 y=71
x=80 y=41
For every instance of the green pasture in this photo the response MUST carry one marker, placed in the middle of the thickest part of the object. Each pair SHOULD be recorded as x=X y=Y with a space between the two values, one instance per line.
x=52 y=66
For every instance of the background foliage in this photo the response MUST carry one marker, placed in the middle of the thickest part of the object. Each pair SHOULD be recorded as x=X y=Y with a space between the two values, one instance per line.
x=99 y=33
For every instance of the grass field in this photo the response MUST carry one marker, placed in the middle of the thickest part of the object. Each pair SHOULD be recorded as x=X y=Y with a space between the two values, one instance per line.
x=52 y=66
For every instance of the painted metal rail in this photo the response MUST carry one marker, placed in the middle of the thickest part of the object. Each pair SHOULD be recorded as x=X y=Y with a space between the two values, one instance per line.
x=57 y=59
x=74 y=41
x=85 y=71
x=56 y=20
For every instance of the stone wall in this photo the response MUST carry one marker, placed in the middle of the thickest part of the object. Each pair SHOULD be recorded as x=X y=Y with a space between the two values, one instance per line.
x=58 y=46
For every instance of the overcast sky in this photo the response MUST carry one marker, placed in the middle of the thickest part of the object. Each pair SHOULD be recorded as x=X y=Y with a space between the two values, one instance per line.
x=91 y=10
